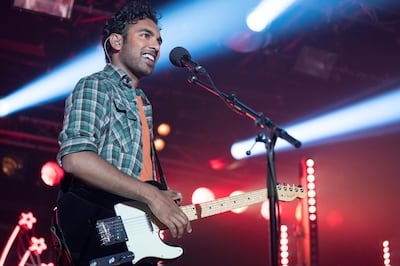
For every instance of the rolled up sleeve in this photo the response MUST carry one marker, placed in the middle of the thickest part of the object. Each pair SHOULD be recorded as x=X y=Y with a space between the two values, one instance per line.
x=84 y=118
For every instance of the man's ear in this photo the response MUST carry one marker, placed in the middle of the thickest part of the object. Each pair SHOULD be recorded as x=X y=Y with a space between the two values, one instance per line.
x=116 y=41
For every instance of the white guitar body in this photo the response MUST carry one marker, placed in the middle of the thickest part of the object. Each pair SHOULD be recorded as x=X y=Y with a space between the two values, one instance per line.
x=135 y=225
x=143 y=235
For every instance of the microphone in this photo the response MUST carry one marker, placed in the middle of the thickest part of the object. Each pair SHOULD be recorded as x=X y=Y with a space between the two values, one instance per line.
x=180 y=57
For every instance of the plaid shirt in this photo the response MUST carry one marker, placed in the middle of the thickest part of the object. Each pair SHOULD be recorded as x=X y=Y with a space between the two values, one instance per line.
x=102 y=116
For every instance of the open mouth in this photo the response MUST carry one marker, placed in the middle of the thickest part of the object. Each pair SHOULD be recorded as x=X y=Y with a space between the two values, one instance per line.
x=149 y=57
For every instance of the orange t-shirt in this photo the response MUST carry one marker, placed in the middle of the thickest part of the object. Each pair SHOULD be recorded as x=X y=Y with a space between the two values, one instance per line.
x=147 y=166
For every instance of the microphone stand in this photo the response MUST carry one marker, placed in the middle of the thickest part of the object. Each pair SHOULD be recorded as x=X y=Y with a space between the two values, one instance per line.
x=269 y=139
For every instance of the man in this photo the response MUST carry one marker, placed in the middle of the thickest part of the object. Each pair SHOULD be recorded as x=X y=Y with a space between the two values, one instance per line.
x=106 y=140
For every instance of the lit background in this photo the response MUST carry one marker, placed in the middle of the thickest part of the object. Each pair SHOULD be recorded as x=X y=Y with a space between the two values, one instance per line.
x=305 y=72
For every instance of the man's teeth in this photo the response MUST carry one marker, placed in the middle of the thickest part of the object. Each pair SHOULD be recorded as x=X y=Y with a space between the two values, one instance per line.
x=148 y=56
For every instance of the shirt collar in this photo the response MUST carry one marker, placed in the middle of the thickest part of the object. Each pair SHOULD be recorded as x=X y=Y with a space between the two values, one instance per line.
x=118 y=75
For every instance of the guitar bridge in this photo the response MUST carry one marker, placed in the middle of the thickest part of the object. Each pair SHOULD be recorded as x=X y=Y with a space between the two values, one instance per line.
x=111 y=231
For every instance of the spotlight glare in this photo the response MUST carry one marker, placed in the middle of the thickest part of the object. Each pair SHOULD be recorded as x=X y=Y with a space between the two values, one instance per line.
x=202 y=194
x=379 y=111
x=159 y=144
x=163 y=129
x=238 y=210
x=266 y=12
x=51 y=173
x=311 y=178
x=4 y=107
x=199 y=38
x=310 y=162
x=52 y=86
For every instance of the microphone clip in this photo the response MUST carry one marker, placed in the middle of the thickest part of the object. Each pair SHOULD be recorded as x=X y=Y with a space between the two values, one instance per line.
x=259 y=138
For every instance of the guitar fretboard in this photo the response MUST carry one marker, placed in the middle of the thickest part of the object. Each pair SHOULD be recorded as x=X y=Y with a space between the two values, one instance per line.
x=202 y=210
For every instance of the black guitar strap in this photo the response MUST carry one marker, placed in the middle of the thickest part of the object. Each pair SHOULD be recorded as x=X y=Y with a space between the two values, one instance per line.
x=163 y=179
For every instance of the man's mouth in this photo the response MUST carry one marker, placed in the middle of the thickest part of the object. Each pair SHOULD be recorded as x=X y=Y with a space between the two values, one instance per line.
x=150 y=57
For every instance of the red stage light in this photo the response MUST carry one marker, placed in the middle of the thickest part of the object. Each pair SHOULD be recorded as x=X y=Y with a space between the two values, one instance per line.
x=217 y=164
x=51 y=173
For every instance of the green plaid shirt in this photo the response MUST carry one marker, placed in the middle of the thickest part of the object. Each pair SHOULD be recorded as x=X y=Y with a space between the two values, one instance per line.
x=102 y=116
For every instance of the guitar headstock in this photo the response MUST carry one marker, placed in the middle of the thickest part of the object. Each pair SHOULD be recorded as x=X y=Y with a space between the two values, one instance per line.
x=290 y=192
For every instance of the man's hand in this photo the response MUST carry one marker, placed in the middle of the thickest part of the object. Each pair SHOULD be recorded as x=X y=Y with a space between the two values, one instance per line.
x=175 y=195
x=164 y=206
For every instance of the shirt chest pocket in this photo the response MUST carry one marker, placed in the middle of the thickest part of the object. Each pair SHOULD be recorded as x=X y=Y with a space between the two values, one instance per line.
x=124 y=127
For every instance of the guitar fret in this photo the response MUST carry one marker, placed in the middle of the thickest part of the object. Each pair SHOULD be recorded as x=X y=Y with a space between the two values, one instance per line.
x=202 y=210
x=206 y=209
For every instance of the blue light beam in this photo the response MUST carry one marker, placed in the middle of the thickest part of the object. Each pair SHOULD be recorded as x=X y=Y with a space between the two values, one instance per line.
x=382 y=110
x=201 y=26
x=54 y=85
x=183 y=24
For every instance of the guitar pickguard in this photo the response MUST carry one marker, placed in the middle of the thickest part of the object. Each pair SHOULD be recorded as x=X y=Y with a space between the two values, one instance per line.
x=143 y=235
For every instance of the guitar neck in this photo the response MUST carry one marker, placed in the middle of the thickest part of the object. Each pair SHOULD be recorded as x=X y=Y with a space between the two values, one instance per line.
x=202 y=210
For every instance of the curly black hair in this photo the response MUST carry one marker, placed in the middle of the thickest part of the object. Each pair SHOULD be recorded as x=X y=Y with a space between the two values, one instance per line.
x=130 y=13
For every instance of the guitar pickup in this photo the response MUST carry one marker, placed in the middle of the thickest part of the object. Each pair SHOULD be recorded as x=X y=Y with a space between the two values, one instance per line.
x=111 y=231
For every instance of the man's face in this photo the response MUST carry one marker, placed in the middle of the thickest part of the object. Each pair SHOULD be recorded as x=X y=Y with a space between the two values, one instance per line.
x=141 y=49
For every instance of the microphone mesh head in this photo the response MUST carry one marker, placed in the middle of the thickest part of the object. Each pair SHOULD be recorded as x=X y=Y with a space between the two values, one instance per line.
x=176 y=55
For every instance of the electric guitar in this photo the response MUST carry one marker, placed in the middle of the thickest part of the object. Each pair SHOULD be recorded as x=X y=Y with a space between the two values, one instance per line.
x=130 y=232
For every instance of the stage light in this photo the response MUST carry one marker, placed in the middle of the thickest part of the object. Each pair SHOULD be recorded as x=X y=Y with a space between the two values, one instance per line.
x=55 y=85
x=163 y=129
x=217 y=164
x=187 y=27
x=22 y=232
x=201 y=195
x=266 y=12
x=51 y=174
x=238 y=210
x=299 y=212
x=335 y=126
x=265 y=210
x=284 y=245
x=61 y=9
x=11 y=165
x=159 y=144
x=310 y=224
x=312 y=209
x=386 y=253
x=310 y=163
x=37 y=246
x=182 y=24
x=310 y=178
x=312 y=201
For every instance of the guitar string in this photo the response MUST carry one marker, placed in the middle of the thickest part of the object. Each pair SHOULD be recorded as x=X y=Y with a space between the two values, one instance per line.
x=140 y=223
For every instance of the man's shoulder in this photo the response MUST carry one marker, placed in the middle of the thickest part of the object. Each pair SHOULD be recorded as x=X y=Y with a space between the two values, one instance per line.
x=106 y=74
x=100 y=79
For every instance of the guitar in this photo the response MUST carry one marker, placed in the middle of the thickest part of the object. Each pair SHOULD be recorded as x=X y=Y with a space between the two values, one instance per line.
x=130 y=233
